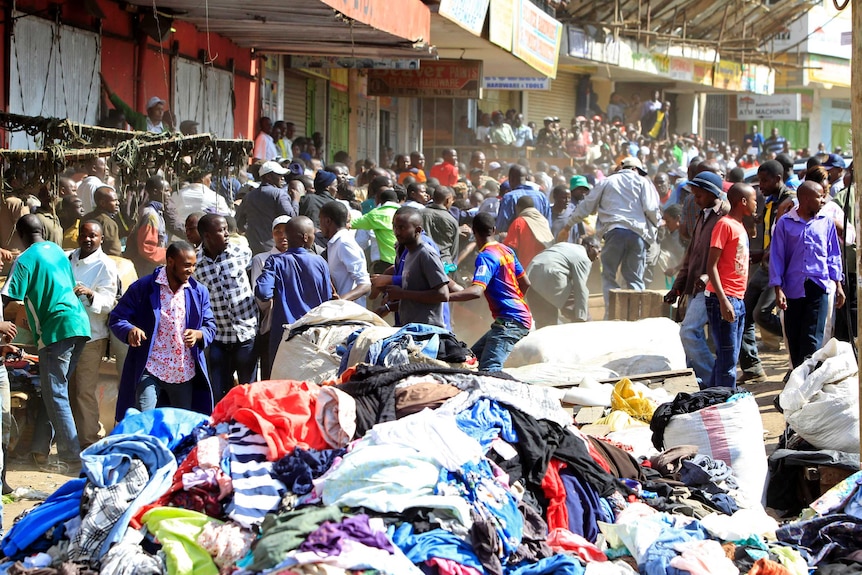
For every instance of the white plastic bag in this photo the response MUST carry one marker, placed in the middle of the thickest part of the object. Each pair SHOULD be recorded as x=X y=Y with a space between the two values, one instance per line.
x=626 y=347
x=821 y=398
x=731 y=432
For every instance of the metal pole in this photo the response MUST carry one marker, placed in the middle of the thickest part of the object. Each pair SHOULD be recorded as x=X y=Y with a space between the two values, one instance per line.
x=856 y=110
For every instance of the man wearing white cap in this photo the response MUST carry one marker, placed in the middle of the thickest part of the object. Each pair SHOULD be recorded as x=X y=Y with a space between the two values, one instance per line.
x=628 y=215
x=149 y=122
x=279 y=241
x=262 y=205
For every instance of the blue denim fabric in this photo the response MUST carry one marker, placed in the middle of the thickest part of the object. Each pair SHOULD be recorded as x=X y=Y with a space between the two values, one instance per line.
x=697 y=353
x=805 y=322
x=759 y=301
x=226 y=358
x=494 y=347
x=728 y=338
x=56 y=362
x=624 y=251
x=151 y=387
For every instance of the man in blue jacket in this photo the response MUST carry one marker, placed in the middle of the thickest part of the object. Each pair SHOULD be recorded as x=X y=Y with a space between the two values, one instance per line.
x=166 y=319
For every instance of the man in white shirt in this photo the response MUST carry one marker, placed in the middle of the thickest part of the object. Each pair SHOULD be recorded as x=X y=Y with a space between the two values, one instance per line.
x=196 y=196
x=96 y=279
x=97 y=174
x=347 y=265
x=279 y=238
x=264 y=146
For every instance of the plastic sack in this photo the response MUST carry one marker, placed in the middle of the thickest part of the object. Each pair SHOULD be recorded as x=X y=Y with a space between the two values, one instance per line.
x=631 y=398
x=731 y=432
x=821 y=398
x=311 y=355
x=626 y=347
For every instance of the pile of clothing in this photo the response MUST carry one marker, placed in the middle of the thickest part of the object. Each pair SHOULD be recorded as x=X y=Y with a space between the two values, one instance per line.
x=407 y=469
x=339 y=334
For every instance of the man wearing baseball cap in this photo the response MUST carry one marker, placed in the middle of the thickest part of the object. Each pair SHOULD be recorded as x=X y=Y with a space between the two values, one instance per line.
x=835 y=165
x=258 y=262
x=691 y=279
x=628 y=217
x=149 y=122
x=262 y=205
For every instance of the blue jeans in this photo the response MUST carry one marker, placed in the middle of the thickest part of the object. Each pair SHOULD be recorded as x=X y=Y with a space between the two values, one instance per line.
x=728 y=338
x=227 y=358
x=494 y=347
x=151 y=387
x=56 y=362
x=697 y=353
x=804 y=321
x=625 y=251
x=759 y=302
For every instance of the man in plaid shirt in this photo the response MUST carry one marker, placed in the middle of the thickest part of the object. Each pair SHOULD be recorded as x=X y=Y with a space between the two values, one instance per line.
x=223 y=268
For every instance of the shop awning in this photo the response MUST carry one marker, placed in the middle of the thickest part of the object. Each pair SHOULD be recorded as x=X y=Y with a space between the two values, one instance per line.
x=732 y=27
x=361 y=28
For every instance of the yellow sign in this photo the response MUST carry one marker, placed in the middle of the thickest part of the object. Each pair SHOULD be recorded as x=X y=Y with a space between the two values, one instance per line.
x=537 y=38
x=728 y=76
x=502 y=23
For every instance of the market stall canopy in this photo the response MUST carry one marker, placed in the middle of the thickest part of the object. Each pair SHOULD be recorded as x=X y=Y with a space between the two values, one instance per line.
x=361 y=28
x=728 y=25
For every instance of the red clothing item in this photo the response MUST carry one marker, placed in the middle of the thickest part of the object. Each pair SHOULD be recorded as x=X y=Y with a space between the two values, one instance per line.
x=731 y=238
x=555 y=491
x=281 y=411
x=521 y=239
x=447 y=174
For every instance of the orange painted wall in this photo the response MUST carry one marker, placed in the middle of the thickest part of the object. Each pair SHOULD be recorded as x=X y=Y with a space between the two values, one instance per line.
x=132 y=63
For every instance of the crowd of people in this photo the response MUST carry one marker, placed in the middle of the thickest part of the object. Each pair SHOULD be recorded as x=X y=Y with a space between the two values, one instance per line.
x=225 y=264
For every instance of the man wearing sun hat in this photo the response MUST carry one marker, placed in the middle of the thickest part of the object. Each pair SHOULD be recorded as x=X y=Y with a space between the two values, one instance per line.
x=628 y=215
x=262 y=205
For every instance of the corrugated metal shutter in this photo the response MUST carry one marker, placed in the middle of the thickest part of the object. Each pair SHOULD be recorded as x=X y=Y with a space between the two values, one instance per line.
x=54 y=72
x=205 y=95
x=366 y=128
x=715 y=118
x=558 y=101
x=295 y=101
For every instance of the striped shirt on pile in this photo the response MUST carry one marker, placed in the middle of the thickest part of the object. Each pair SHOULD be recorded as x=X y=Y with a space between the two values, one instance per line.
x=256 y=491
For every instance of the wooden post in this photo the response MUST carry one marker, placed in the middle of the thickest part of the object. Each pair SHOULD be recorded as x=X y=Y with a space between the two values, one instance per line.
x=856 y=111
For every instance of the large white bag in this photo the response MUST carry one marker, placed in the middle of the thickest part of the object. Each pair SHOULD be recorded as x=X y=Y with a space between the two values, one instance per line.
x=731 y=432
x=626 y=347
x=821 y=398
x=311 y=355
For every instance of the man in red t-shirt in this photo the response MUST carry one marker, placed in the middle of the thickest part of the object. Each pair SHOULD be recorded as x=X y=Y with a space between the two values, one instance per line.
x=446 y=172
x=727 y=269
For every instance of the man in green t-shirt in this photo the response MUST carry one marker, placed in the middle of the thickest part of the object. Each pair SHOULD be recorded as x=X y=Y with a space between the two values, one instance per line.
x=42 y=278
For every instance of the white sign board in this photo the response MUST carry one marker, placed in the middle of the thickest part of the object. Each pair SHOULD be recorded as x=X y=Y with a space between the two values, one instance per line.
x=469 y=14
x=775 y=107
x=507 y=83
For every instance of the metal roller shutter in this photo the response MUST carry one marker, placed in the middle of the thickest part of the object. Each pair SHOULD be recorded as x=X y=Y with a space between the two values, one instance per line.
x=558 y=101
x=53 y=72
x=294 y=100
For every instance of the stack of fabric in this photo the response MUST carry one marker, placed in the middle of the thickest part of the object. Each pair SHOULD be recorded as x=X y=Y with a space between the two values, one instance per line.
x=411 y=469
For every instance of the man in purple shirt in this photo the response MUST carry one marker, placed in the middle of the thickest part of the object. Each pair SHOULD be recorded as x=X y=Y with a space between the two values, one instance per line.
x=805 y=257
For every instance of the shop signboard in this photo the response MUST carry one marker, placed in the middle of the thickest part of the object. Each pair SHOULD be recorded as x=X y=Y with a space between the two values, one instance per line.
x=468 y=14
x=537 y=38
x=775 y=107
x=507 y=83
x=502 y=23
x=433 y=79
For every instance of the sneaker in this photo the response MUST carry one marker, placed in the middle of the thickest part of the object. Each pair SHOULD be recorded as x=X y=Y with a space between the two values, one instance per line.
x=749 y=378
